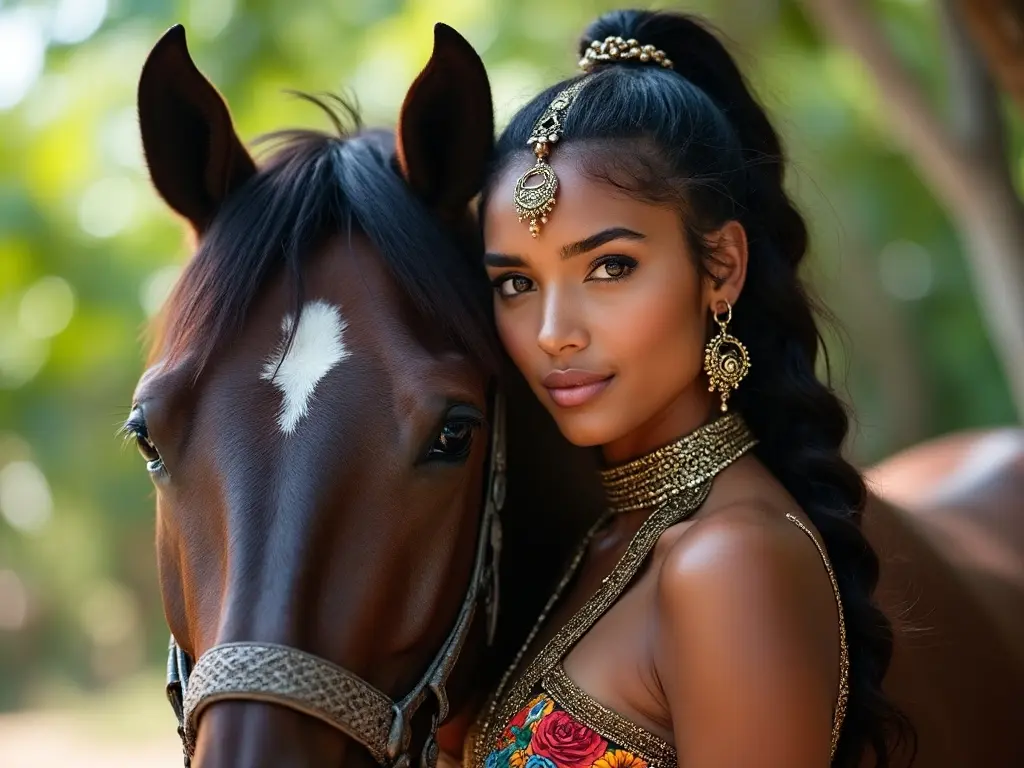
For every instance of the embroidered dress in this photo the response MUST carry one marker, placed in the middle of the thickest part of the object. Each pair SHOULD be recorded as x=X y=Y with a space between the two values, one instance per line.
x=542 y=719
x=549 y=733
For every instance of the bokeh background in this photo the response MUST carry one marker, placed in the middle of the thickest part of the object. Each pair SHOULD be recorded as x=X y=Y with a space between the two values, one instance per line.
x=87 y=253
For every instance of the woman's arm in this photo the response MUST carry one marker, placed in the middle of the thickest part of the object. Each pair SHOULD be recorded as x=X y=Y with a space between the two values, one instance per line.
x=747 y=644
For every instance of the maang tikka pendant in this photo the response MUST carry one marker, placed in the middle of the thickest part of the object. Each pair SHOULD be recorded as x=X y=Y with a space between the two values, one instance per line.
x=535 y=190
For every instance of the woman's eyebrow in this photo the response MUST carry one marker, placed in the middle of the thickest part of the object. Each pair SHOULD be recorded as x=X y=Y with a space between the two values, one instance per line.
x=599 y=239
x=503 y=260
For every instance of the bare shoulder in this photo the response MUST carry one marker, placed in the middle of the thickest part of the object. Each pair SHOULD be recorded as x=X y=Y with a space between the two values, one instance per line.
x=747 y=638
x=750 y=556
x=744 y=538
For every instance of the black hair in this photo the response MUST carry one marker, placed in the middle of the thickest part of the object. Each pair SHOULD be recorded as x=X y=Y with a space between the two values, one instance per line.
x=312 y=185
x=699 y=140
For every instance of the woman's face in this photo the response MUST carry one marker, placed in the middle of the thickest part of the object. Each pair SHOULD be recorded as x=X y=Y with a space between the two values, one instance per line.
x=604 y=313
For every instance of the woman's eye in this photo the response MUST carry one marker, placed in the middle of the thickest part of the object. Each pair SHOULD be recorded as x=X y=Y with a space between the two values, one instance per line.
x=614 y=268
x=454 y=441
x=513 y=285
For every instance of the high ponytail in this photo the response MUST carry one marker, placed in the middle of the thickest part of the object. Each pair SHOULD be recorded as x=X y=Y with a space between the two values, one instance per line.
x=700 y=58
x=695 y=137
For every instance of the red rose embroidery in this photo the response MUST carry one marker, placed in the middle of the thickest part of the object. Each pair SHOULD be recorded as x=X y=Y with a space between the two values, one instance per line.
x=567 y=743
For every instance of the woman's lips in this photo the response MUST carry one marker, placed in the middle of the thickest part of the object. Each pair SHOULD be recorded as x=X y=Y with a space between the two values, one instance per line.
x=574 y=387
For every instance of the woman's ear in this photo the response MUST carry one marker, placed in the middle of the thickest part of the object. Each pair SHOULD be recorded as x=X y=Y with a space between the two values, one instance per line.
x=727 y=265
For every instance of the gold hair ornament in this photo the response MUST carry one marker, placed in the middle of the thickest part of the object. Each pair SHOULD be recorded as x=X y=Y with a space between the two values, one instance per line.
x=534 y=196
x=614 y=48
x=726 y=361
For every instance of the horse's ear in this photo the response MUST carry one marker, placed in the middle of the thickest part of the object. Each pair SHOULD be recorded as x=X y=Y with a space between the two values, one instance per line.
x=195 y=158
x=446 y=128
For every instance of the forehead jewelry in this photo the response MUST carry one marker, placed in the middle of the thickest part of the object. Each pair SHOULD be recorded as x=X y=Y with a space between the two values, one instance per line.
x=535 y=190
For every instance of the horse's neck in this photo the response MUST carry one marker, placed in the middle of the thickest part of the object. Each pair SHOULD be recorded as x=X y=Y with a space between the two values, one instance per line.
x=956 y=671
x=907 y=559
x=932 y=586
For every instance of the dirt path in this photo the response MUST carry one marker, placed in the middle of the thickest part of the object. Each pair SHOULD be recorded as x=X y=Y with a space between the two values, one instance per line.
x=57 y=740
x=62 y=740
x=132 y=730
x=127 y=726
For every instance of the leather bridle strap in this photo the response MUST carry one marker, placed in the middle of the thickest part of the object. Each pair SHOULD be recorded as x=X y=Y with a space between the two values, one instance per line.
x=289 y=677
x=293 y=678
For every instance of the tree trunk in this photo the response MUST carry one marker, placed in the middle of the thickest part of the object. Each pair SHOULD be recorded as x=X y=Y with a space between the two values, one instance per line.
x=997 y=27
x=965 y=167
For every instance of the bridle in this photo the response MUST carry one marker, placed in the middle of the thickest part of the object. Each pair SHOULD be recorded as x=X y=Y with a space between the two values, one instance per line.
x=314 y=686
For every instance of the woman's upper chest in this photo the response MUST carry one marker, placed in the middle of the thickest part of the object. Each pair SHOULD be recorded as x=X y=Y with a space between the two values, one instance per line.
x=612 y=662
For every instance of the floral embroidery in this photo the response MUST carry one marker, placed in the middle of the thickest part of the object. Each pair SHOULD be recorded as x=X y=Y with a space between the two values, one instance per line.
x=620 y=758
x=567 y=742
x=513 y=751
x=543 y=735
x=529 y=715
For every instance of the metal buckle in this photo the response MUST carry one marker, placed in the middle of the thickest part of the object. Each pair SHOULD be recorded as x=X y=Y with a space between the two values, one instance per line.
x=179 y=667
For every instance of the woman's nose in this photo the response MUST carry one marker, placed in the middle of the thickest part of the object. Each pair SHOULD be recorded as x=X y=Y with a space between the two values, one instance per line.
x=562 y=329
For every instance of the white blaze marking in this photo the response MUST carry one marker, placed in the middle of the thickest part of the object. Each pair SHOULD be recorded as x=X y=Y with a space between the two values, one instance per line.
x=317 y=347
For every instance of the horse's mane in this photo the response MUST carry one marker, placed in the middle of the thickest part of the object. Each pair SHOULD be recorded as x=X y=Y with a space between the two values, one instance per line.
x=312 y=185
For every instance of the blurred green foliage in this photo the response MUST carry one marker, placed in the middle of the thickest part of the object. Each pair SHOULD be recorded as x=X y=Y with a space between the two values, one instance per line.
x=87 y=252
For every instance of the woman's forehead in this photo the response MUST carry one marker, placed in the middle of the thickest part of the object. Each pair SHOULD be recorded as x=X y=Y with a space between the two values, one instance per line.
x=585 y=204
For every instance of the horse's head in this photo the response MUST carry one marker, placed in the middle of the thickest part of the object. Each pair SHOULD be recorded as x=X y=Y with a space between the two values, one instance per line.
x=316 y=414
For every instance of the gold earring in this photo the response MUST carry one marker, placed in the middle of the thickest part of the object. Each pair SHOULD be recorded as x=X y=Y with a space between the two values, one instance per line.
x=725 y=359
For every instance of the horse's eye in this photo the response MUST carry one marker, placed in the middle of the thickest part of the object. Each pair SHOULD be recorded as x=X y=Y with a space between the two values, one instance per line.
x=455 y=439
x=135 y=429
x=148 y=452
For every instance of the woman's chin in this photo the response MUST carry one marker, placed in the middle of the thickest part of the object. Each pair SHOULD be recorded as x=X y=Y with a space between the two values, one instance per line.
x=582 y=430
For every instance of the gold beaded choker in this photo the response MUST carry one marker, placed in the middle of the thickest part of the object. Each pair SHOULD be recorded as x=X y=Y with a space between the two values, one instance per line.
x=651 y=480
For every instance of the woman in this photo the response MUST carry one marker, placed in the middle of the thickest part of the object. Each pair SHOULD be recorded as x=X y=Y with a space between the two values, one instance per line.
x=721 y=613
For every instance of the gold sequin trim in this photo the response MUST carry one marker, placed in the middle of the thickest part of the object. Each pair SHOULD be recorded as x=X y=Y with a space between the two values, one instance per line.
x=651 y=480
x=844 y=652
x=504 y=707
x=655 y=751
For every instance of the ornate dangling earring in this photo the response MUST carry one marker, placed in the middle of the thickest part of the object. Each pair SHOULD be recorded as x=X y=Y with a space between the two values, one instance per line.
x=725 y=359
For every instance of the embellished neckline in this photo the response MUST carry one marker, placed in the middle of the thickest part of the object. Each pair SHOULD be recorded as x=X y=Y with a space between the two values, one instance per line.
x=651 y=480
x=673 y=481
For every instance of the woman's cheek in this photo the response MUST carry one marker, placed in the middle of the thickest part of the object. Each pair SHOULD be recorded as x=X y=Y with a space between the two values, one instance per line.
x=514 y=333
x=640 y=322
x=656 y=336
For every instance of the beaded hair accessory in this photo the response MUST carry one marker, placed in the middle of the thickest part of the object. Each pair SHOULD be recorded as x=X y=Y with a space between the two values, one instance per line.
x=616 y=49
x=534 y=196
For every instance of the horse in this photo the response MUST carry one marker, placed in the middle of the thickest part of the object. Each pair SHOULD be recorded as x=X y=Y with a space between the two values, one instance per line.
x=946 y=519
x=319 y=418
